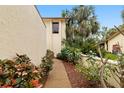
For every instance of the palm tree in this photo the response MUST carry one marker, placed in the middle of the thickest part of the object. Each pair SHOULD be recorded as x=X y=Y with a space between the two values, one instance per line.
x=81 y=20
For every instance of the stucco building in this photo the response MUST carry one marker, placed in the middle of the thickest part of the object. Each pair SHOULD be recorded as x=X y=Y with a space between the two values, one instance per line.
x=23 y=31
x=115 y=42
x=55 y=30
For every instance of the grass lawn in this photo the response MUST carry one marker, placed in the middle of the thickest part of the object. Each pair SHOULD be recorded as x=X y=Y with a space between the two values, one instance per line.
x=111 y=56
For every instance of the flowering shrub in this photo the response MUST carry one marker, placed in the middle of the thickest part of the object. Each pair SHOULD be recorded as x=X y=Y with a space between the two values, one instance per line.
x=21 y=73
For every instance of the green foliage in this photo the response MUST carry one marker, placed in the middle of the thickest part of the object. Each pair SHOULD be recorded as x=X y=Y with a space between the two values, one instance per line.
x=81 y=20
x=22 y=73
x=84 y=45
x=89 y=69
x=111 y=56
x=70 y=54
x=88 y=46
x=103 y=52
x=47 y=63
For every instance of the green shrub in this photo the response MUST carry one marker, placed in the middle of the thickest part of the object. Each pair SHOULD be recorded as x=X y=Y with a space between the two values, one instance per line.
x=85 y=45
x=47 y=62
x=111 y=56
x=50 y=54
x=103 y=52
x=69 y=54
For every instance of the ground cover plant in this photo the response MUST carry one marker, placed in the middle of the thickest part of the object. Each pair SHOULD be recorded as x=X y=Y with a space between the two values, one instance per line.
x=111 y=56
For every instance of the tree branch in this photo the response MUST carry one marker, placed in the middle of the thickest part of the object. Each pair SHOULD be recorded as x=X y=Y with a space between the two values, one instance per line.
x=119 y=30
x=102 y=68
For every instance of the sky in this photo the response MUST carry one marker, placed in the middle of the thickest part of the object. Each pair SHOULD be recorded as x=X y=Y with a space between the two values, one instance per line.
x=107 y=15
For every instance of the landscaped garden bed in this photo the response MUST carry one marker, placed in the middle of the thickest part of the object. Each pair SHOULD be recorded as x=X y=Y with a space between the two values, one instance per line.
x=20 y=72
x=76 y=79
x=100 y=68
x=85 y=71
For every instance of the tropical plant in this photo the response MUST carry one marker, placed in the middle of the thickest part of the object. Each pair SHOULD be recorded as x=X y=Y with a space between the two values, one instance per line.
x=92 y=70
x=22 y=73
x=46 y=64
x=80 y=21
x=89 y=69
x=70 y=54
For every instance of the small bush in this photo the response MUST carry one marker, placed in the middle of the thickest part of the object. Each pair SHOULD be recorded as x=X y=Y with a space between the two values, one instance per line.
x=47 y=62
x=69 y=54
x=50 y=54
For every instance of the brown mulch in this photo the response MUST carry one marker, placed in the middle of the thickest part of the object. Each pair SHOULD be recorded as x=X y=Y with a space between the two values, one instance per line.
x=76 y=79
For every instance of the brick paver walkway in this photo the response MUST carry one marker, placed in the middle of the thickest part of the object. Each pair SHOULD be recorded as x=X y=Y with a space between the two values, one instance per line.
x=58 y=77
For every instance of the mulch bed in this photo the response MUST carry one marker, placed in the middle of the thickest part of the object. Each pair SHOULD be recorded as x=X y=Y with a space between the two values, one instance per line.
x=77 y=80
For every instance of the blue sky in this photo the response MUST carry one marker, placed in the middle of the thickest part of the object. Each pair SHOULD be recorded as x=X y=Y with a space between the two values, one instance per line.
x=107 y=15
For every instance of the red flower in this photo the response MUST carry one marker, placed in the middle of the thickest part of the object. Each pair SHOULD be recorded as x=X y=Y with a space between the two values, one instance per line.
x=13 y=81
x=36 y=83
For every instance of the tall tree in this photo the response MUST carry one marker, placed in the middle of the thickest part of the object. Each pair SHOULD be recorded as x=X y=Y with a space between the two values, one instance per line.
x=81 y=20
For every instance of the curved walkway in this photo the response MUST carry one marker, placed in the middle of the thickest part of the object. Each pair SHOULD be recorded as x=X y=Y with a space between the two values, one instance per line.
x=58 y=77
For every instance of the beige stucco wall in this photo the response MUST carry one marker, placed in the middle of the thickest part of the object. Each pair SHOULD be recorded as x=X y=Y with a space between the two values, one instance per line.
x=22 y=31
x=117 y=39
x=54 y=40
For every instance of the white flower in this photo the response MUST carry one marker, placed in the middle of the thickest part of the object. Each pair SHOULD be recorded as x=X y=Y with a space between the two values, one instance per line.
x=24 y=73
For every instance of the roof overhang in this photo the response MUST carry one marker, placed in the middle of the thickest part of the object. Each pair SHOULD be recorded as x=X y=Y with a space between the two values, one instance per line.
x=114 y=35
x=54 y=18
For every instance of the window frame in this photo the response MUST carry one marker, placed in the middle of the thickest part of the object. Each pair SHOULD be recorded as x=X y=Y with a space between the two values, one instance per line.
x=53 y=29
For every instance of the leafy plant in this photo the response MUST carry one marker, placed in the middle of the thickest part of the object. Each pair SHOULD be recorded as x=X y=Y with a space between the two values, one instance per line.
x=90 y=69
x=80 y=20
x=21 y=73
x=70 y=54
x=84 y=45
x=47 y=63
